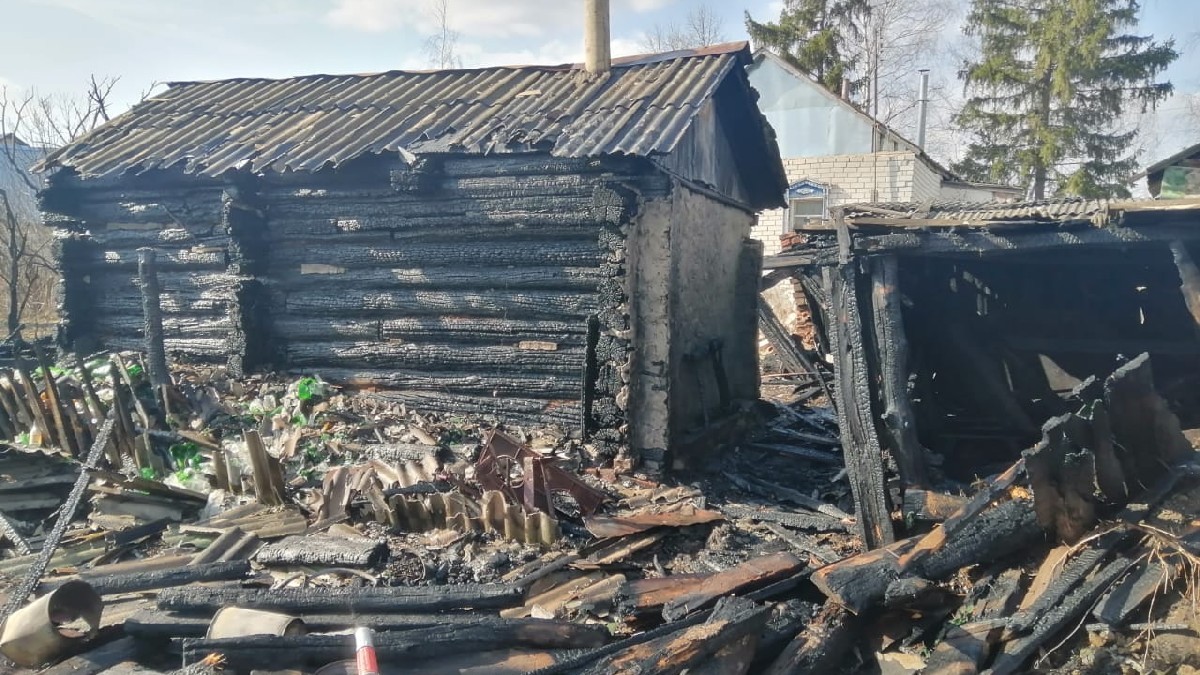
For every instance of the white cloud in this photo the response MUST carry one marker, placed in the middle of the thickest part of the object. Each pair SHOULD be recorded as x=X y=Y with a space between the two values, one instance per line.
x=474 y=18
x=555 y=52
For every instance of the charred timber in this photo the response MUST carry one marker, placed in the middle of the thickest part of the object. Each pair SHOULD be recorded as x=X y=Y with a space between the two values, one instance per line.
x=379 y=249
x=500 y=304
x=565 y=362
x=469 y=277
x=133 y=582
x=392 y=648
x=386 y=600
x=527 y=386
x=436 y=329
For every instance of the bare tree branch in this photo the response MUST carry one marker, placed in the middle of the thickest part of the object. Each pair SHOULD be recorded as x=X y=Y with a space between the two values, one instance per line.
x=442 y=45
x=701 y=27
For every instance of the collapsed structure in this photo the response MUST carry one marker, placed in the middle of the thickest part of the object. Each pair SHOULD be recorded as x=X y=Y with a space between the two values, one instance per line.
x=955 y=329
x=542 y=243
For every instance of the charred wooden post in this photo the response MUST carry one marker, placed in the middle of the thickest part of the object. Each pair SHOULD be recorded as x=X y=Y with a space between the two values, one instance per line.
x=156 y=352
x=891 y=345
x=794 y=359
x=852 y=387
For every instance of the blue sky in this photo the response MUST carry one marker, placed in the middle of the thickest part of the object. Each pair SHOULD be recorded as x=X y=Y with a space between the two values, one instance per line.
x=54 y=45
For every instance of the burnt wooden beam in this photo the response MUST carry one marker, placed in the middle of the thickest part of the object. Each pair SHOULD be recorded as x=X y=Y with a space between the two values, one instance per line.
x=852 y=388
x=385 y=600
x=133 y=582
x=892 y=346
x=156 y=354
x=392 y=647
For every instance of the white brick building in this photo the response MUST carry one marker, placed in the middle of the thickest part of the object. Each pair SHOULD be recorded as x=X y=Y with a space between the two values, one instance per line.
x=827 y=147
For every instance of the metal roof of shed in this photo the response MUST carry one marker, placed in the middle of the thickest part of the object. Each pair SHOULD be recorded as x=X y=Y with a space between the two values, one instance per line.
x=643 y=107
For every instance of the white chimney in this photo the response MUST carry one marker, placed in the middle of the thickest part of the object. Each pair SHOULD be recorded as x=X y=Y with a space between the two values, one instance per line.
x=923 y=108
x=596 y=38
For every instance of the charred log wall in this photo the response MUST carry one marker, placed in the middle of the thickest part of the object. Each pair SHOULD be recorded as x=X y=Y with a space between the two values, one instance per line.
x=465 y=284
x=100 y=225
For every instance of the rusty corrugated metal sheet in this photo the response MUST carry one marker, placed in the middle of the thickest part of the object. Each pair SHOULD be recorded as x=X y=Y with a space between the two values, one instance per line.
x=642 y=108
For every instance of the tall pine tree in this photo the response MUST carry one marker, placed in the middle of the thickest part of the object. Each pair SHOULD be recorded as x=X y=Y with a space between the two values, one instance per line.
x=1048 y=90
x=813 y=36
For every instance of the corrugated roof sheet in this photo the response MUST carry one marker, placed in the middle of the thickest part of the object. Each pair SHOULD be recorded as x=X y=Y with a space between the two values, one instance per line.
x=643 y=108
x=983 y=214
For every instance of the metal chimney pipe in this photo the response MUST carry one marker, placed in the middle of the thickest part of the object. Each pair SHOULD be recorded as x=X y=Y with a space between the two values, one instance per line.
x=923 y=109
x=596 y=37
x=845 y=89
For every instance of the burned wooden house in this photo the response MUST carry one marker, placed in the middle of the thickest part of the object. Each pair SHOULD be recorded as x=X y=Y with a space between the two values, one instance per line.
x=956 y=330
x=548 y=243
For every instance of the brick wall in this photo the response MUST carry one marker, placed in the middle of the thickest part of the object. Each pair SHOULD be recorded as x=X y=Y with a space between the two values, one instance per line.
x=873 y=177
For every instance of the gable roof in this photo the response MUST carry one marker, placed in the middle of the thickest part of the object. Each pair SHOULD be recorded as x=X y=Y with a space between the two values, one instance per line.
x=643 y=107
x=1159 y=166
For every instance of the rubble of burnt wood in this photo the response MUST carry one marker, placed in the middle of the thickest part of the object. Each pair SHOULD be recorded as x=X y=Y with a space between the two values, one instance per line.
x=251 y=524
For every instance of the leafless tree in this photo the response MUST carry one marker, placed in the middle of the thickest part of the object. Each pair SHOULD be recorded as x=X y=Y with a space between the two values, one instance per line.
x=31 y=125
x=442 y=45
x=701 y=27
x=901 y=37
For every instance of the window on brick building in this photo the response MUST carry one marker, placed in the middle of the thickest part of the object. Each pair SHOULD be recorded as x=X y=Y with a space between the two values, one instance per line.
x=806 y=202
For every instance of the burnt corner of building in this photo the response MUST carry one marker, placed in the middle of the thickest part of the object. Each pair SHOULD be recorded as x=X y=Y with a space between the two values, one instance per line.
x=956 y=331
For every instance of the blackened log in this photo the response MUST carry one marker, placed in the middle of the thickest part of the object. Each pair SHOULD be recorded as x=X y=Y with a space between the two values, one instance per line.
x=322 y=550
x=199 y=347
x=393 y=355
x=156 y=355
x=511 y=409
x=433 y=329
x=204 y=325
x=383 y=600
x=152 y=624
x=861 y=582
x=377 y=249
x=133 y=582
x=528 y=305
x=393 y=648
x=930 y=506
x=964 y=648
x=467 y=278
x=852 y=388
x=821 y=646
x=891 y=345
x=210 y=258
x=488 y=386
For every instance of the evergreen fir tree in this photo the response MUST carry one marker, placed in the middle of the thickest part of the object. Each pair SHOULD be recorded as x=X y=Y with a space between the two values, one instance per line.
x=812 y=36
x=1048 y=90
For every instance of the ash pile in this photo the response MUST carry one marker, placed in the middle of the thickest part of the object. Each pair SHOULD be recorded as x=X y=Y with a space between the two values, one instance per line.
x=203 y=523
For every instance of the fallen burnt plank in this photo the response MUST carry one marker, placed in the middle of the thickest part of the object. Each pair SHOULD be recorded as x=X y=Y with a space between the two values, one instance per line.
x=794 y=359
x=681 y=595
x=861 y=582
x=1142 y=423
x=1015 y=654
x=132 y=582
x=930 y=506
x=392 y=648
x=817 y=522
x=388 y=600
x=820 y=647
x=1144 y=581
x=787 y=620
x=1062 y=475
x=155 y=624
x=322 y=550
x=731 y=620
